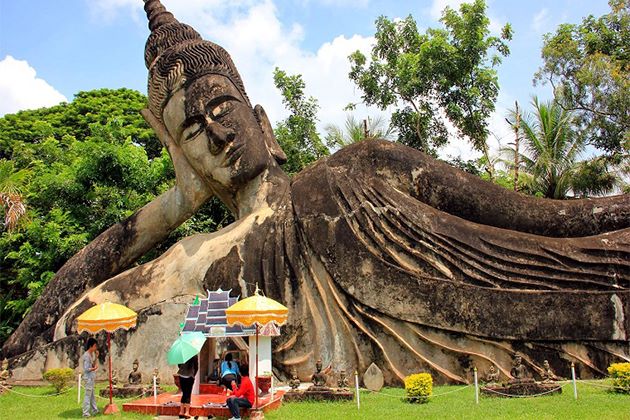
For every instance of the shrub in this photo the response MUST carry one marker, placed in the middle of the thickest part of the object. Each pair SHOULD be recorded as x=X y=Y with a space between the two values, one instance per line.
x=59 y=378
x=418 y=387
x=620 y=373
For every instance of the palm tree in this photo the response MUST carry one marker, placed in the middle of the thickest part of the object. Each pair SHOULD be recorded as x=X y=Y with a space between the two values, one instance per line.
x=356 y=131
x=549 y=163
x=11 y=200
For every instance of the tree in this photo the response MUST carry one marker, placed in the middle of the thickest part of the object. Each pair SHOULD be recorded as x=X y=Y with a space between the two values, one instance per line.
x=588 y=66
x=438 y=76
x=550 y=166
x=356 y=131
x=297 y=134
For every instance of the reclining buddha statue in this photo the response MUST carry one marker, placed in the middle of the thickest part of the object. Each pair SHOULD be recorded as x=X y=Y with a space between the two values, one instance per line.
x=381 y=253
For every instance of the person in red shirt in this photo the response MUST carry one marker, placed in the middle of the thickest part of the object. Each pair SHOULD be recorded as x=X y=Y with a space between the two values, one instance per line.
x=243 y=396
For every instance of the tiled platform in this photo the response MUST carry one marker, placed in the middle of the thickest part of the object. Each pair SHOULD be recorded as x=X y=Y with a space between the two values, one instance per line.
x=167 y=404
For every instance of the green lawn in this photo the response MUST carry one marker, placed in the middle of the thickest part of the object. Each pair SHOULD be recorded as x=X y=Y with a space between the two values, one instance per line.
x=593 y=403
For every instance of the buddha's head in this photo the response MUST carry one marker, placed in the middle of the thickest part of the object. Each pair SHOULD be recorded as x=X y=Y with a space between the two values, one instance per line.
x=196 y=91
x=136 y=364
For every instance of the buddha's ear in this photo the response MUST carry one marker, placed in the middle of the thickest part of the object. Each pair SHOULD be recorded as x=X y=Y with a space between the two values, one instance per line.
x=270 y=138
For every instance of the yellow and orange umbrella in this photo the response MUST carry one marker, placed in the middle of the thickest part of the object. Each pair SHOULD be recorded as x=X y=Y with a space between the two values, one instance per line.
x=108 y=317
x=258 y=311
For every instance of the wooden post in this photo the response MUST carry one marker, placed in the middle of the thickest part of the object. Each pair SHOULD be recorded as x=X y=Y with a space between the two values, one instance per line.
x=110 y=408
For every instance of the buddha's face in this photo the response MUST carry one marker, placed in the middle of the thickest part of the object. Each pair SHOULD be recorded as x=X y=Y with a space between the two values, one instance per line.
x=217 y=131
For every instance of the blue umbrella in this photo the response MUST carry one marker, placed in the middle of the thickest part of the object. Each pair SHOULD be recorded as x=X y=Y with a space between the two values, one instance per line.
x=185 y=347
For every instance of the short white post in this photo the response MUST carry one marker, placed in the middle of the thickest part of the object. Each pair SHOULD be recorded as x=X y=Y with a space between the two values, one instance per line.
x=476 y=385
x=79 y=390
x=271 y=399
x=154 y=389
x=573 y=379
x=356 y=386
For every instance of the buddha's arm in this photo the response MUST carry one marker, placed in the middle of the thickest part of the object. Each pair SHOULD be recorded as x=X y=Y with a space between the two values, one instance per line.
x=115 y=249
x=469 y=197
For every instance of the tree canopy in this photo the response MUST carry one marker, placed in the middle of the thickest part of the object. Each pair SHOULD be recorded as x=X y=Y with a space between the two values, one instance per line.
x=297 y=134
x=588 y=65
x=441 y=75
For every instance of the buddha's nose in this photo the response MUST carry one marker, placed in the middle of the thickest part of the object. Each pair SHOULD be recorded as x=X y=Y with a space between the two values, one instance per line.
x=218 y=136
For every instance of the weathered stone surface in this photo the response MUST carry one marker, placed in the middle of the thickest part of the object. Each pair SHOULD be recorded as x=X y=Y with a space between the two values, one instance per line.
x=373 y=378
x=381 y=253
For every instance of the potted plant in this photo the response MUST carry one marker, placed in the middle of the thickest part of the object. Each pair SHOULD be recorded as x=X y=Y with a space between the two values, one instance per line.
x=264 y=382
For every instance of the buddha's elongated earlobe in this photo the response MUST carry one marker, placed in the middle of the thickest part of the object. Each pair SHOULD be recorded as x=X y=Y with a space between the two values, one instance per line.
x=270 y=138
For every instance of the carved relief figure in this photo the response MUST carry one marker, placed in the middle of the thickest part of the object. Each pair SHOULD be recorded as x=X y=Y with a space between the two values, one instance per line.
x=343 y=380
x=377 y=245
x=547 y=374
x=135 y=377
x=518 y=371
x=294 y=382
x=319 y=378
x=493 y=375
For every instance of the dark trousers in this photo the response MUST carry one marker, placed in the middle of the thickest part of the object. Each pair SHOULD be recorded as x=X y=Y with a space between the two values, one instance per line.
x=186 y=385
x=234 y=404
x=227 y=380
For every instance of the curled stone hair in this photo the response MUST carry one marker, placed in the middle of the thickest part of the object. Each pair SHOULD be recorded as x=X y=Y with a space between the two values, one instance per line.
x=176 y=55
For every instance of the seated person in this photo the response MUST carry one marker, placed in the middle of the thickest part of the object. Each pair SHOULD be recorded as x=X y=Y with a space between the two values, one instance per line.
x=215 y=375
x=243 y=395
x=229 y=371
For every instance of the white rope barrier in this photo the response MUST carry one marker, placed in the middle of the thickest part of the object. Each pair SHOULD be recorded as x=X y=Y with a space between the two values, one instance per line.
x=35 y=396
x=430 y=396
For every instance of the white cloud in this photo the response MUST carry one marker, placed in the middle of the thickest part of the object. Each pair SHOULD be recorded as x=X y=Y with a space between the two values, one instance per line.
x=439 y=5
x=541 y=21
x=20 y=88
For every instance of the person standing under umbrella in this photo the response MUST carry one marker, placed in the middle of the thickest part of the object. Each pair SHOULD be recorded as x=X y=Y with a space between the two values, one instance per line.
x=187 y=372
x=90 y=365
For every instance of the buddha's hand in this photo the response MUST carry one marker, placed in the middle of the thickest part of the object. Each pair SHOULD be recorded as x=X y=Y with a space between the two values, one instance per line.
x=192 y=187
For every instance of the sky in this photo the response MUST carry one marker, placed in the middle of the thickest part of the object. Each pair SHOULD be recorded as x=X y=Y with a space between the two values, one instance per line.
x=50 y=50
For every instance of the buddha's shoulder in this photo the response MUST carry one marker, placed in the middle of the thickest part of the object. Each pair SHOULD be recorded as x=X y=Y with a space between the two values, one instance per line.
x=364 y=157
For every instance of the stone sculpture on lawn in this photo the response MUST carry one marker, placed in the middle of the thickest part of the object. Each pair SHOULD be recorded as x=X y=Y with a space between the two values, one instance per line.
x=396 y=256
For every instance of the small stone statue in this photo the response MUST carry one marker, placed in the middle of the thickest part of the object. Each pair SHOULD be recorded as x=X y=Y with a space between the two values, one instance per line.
x=294 y=383
x=319 y=378
x=547 y=374
x=156 y=373
x=5 y=374
x=135 y=377
x=492 y=377
x=518 y=371
x=115 y=378
x=343 y=381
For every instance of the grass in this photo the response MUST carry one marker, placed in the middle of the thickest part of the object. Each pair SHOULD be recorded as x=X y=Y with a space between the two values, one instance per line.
x=593 y=403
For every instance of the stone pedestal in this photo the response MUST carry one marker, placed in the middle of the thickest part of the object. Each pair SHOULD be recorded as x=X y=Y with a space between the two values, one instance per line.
x=318 y=394
x=529 y=388
x=128 y=391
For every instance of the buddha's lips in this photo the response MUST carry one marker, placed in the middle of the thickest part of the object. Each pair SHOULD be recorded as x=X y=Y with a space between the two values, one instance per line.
x=234 y=153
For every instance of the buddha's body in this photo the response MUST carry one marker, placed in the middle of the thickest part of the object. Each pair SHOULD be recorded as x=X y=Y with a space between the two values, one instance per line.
x=380 y=252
